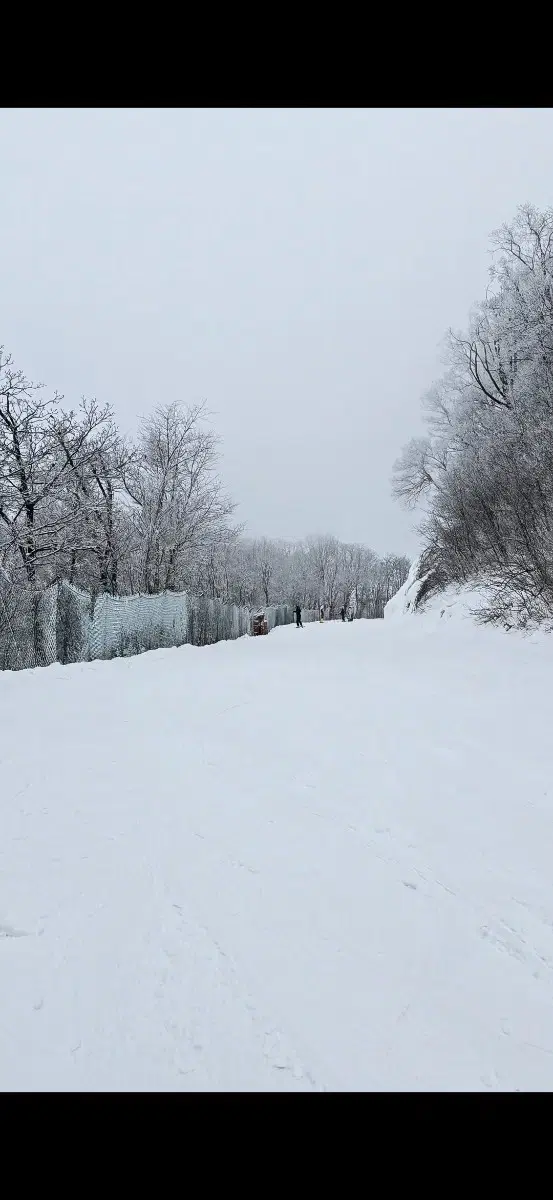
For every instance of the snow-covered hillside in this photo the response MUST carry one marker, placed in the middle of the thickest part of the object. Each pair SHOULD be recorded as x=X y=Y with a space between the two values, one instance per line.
x=459 y=603
x=317 y=860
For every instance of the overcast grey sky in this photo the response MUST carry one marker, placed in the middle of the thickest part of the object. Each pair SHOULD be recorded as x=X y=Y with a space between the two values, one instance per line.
x=296 y=268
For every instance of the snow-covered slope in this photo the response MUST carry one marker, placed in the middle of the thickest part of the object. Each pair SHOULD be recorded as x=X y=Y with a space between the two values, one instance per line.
x=459 y=603
x=317 y=860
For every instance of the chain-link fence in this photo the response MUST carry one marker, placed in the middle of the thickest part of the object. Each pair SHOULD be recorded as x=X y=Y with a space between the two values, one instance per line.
x=27 y=627
x=125 y=625
x=63 y=624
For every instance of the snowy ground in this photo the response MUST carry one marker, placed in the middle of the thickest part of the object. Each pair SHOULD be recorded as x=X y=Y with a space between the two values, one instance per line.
x=320 y=860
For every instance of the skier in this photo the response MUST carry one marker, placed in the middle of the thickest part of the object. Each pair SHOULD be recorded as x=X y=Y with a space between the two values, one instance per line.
x=299 y=624
x=322 y=614
x=343 y=613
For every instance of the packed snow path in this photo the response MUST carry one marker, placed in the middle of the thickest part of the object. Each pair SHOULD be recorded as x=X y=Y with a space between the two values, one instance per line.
x=320 y=860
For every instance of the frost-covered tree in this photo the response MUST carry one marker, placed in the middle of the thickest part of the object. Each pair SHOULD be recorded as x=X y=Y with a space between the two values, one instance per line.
x=484 y=469
x=319 y=570
x=45 y=454
x=179 y=507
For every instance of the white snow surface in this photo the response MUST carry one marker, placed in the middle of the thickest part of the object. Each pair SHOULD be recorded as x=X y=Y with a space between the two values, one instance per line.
x=319 y=860
x=460 y=602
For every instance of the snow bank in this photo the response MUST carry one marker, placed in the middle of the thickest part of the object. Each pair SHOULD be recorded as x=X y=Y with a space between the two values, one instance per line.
x=403 y=601
x=454 y=602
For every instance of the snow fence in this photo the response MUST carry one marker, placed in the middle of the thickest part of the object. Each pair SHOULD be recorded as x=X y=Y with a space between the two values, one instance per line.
x=66 y=625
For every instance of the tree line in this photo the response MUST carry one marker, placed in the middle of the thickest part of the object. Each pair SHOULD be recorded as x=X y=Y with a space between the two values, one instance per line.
x=318 y=571
x=108 y=513
x=484 y=469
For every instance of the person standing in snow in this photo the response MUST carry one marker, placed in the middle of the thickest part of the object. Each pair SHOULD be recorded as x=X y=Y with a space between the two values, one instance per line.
x=322 y=614
x=299 y=624
x=343 y=613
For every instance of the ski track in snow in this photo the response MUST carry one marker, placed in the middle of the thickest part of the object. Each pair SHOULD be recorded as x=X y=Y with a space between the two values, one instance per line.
x=303 y=863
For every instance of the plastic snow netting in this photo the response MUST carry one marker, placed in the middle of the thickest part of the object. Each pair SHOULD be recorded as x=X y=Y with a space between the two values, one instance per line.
x=63 y=624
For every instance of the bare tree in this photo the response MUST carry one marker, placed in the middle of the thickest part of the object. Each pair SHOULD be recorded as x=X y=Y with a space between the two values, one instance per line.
x=43 y=453
x=490 y=421
x=414 y=472
x=179 y=505
x=266 y=568
x=324 y=554
x=355 y=568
